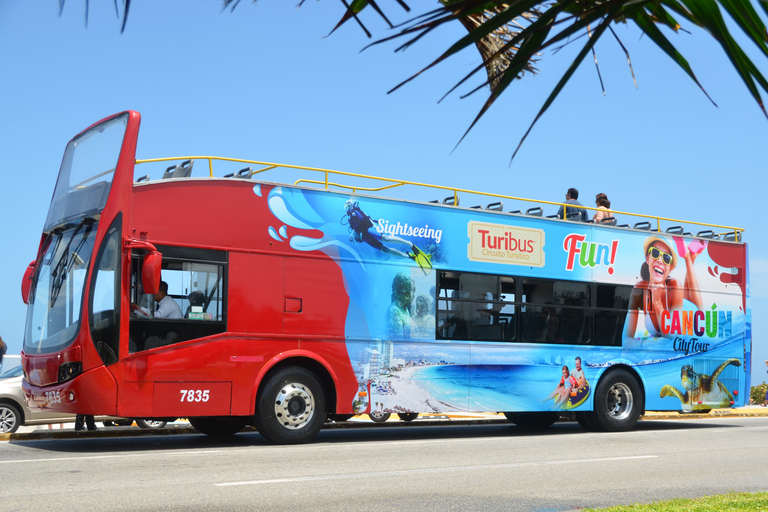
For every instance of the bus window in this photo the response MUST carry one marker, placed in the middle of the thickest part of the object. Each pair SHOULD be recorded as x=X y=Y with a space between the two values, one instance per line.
x=556 y=312
x=612 y=302
x=105 y=296
x=196 y=287
x=476 y=306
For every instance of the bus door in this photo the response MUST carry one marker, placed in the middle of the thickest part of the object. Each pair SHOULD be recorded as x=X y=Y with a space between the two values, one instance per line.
x=165 y=367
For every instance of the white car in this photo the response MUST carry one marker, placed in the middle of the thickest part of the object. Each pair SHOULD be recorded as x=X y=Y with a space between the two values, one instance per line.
x=14 y=412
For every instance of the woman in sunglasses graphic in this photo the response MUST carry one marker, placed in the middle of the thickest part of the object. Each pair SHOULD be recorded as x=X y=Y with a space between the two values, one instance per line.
x=658 y=292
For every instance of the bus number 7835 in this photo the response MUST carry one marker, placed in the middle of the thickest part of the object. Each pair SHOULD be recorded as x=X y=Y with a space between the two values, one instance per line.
x=194 y=395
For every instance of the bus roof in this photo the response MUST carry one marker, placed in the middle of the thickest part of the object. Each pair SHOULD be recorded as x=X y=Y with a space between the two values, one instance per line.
x=450 y=196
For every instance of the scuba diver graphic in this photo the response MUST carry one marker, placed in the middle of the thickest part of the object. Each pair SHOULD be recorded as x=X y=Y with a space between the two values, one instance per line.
x=363 y=229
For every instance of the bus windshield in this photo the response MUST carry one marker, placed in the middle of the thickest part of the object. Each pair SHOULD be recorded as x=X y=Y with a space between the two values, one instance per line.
x=55 y=300
x=82 y=189
x=86 y=173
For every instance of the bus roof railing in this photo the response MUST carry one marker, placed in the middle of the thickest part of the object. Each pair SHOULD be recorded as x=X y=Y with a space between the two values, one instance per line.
x=713 y=231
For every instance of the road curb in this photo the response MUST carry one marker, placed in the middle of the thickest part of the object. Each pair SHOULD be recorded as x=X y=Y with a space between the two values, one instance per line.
x=424 y=420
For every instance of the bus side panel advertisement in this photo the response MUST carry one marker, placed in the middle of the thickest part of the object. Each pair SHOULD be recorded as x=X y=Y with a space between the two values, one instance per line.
x=676 y=306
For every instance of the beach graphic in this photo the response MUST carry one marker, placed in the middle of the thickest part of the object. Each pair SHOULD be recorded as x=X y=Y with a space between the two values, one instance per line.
x=687 y=298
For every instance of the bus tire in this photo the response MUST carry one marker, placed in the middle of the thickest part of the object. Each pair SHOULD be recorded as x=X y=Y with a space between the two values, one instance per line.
x=290 y=408
x=532 y=419
x=379 y=417
x=618 y=401
x=10 y=418
x=218 y=427
x=407 y=416
x=588 y=421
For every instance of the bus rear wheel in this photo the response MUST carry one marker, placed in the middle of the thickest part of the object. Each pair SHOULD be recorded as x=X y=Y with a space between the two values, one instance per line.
x=291 y=407
x=532 y=419
x=588 y=421
x=218 y=427
x=407 y=416
x=618 y=402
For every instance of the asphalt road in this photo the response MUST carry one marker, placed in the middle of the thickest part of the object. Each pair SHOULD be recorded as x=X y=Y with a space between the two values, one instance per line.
x=494 y=466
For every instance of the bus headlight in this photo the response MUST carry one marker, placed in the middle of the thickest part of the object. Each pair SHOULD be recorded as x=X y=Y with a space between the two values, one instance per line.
x=69 y=371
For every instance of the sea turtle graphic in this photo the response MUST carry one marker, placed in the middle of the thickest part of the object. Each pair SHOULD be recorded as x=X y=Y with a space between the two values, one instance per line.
x=701 y=391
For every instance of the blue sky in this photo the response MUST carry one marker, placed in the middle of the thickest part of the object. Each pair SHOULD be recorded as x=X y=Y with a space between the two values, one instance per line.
x=265 y=83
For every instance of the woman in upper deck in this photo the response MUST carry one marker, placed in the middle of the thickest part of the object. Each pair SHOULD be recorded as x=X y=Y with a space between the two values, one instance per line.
x=603 y=208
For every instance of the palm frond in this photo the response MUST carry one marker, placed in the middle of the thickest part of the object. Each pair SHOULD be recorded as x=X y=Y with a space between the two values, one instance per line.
x=512 y=36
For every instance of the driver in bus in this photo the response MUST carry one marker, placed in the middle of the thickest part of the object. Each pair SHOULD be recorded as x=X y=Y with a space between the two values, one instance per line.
x=166 y=306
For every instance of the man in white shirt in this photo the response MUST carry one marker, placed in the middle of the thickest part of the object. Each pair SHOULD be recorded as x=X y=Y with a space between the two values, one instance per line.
x=166 y=306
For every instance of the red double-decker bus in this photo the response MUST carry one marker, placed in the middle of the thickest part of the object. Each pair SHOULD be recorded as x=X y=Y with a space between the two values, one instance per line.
x=234 y=301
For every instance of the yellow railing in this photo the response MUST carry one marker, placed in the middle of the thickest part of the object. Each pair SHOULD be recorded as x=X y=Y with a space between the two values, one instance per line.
x=392 y=183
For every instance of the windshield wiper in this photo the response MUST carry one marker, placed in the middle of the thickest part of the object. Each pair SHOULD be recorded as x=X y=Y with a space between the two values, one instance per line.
x=62 y=266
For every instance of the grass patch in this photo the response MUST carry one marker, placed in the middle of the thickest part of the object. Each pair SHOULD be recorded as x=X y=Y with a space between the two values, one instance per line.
x=735 y=501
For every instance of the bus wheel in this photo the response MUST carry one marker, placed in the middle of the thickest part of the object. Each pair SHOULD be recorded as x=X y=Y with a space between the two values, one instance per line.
x=618 y=402
x=217 y=427
x=291 y=407
x=532 y=419
x=588 y=421
x=407 y=416
x=379 y=417
x=10 y=419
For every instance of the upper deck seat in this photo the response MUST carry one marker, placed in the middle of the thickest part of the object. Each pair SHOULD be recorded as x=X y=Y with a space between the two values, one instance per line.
x=244 y=174
x=182 y=170
x=645 y=226
x=451 y=200
x=536 y=211
x=573 y=217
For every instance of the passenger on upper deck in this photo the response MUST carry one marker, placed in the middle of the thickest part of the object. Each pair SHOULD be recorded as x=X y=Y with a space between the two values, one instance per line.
x=571 y=198
x=603 y=208
x=166 y=306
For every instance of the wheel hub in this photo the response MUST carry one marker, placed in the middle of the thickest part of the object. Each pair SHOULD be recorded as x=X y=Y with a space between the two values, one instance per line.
x=619 y=401
x=294 y=406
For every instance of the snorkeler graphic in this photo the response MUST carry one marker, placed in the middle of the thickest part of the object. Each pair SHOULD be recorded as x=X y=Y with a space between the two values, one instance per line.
x=363 y=229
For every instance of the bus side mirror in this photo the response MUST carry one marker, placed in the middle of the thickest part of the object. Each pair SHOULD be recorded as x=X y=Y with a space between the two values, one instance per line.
x=26 y=282
x=150 y=272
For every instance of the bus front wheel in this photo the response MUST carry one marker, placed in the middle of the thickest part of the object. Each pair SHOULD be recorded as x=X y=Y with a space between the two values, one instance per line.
x=291 y=407
x=618 y=402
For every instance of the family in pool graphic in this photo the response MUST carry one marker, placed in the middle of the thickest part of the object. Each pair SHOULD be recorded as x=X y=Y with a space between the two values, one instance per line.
x=572 y=390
